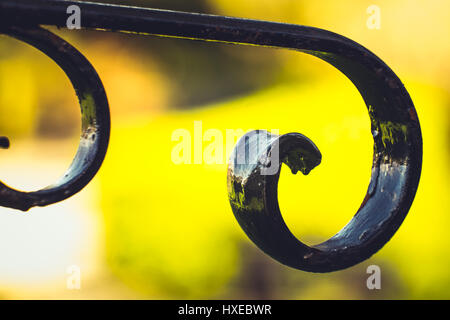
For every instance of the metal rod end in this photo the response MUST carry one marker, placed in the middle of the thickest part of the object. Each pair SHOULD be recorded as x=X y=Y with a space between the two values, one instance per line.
x=4 y=143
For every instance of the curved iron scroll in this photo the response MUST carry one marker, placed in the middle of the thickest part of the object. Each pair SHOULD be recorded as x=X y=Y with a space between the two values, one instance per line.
x=253 y=195
x=95 y=120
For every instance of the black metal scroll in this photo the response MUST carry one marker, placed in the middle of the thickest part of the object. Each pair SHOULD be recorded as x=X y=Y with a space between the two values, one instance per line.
x=94 y=120
x=253 y=193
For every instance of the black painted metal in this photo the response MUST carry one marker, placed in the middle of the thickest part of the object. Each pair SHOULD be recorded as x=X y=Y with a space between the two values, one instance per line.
x=94 y=114
x=252 y=192
x=4 y=143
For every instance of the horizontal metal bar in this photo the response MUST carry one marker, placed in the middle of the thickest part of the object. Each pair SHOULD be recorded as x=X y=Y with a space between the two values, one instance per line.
x=119 y=18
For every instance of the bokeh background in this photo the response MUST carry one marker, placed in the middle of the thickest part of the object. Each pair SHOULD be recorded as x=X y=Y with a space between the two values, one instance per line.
x=146 y=228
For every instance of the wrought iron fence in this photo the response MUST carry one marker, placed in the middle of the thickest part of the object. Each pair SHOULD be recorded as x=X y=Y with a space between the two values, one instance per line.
x=252 y=192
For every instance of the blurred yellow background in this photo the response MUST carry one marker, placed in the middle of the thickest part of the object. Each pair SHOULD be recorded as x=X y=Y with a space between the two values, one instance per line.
x=146 y=228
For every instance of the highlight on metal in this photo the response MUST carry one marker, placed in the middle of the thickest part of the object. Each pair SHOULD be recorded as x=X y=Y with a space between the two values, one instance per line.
x=397 y=158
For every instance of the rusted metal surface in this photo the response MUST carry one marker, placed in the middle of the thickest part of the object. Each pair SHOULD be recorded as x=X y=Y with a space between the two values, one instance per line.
x=395 y=127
